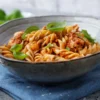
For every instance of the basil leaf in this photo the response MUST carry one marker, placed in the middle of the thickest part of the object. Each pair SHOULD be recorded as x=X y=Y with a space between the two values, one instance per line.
x=2 y=15
x=16 y=48
x=15 y=14
x=29 y=30
x=49 y=45
x=19 y=55
x=56 y=26
x=67 y=48
x=87 y=35
x=2 y=21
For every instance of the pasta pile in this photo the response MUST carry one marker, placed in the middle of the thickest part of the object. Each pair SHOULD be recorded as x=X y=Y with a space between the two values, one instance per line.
x=45 y=45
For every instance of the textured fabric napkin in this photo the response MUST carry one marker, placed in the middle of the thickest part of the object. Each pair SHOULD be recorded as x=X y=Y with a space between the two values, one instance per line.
x=20 y=89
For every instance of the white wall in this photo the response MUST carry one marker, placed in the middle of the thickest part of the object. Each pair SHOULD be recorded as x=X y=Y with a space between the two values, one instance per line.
x=41 y=7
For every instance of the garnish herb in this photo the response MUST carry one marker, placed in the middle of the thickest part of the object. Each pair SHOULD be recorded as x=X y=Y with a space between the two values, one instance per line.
x=2 y=15
x=56 y=26
x=87 y=36
x=16 y=52
x=67 y=48
x=19 y=55
x=49 y=45
x=29 y=30
x=16 y=48
x=13 y=15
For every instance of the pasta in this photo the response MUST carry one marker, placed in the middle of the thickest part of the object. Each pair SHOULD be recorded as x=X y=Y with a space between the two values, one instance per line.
x=50 y=43
x=91 y=49
x=4 y=50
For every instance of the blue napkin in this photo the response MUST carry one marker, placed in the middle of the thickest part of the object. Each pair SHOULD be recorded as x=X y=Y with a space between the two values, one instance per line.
x=21 y=89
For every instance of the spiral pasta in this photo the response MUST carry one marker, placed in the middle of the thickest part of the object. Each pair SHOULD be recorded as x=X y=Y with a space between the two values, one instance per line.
x=45 y=45
x=34 y=36
x=91 y=49
x=49 y=39
x=4 y=50
x=66 y=54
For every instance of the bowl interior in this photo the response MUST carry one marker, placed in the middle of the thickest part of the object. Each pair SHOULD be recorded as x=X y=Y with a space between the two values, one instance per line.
x=90 y=24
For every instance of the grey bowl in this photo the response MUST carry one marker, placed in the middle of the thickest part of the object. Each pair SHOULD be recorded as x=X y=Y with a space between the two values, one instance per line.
x=49 y=71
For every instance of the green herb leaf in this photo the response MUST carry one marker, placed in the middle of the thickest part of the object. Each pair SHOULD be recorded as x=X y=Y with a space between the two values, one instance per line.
x=16 y=52
x=49 y=45
x=56 y=26
x=67 y=48
x=87 y=35
x=15 y=14
x=19 y=55
x=2 y=15
x=2 y=21
x=16 y=48
x=29 y=30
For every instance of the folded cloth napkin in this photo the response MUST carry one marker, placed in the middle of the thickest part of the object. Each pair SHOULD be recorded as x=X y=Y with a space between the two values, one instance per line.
x=21 y=89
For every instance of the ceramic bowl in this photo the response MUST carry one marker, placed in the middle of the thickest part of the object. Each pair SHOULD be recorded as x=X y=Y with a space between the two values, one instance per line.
x=50 y=71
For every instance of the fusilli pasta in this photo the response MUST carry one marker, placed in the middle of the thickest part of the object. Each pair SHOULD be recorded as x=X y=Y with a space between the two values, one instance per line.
x=4 y=50
x=48 y=45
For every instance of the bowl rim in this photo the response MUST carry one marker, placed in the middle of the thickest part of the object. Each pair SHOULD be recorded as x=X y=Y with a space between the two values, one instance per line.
x=51 y=62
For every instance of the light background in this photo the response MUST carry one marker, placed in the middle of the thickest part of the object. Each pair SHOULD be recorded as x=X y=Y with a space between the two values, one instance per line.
x=45 y=7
